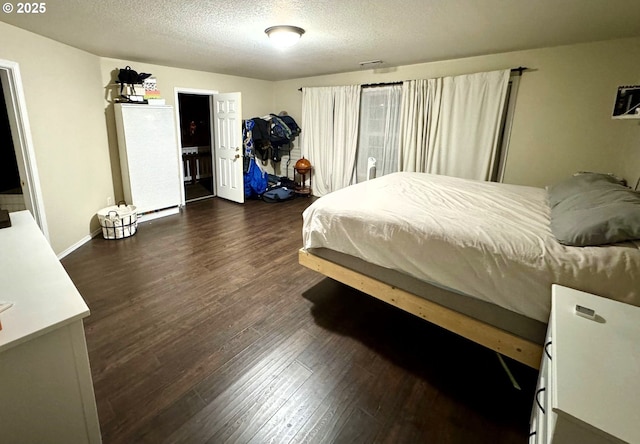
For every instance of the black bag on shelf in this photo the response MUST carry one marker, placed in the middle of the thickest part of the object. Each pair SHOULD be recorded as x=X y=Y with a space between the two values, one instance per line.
x=128 y=76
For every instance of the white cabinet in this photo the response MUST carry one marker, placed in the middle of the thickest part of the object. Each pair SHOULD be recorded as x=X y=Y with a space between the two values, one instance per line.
x=149 y=158
x=46 y=391
x=589 y=384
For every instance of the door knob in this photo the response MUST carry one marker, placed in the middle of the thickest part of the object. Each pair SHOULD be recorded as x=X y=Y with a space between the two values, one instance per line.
x=237 y=156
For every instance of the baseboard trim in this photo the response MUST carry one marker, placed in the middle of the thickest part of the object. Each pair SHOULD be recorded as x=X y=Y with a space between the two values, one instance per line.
x=79 y=244
x=151 y=215
x=141 y=218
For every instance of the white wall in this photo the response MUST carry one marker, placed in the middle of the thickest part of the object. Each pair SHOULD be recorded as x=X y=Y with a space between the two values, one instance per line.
x=563 y=114
x=64 y=105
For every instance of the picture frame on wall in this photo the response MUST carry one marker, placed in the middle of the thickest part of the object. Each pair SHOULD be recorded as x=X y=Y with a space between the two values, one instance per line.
x=627 y=104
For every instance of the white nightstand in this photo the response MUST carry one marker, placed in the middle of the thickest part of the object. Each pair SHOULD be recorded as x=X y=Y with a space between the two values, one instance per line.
x=589 y=384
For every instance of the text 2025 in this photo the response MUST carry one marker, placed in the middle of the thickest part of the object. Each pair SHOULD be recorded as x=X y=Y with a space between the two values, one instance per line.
x=31 y=8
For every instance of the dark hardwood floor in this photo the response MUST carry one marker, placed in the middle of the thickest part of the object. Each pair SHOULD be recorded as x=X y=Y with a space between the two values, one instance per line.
x=204 y=329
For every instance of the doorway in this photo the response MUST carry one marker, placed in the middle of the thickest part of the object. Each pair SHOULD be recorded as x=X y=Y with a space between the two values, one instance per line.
x=11 y=198
x=20 y=150
x=196 y=143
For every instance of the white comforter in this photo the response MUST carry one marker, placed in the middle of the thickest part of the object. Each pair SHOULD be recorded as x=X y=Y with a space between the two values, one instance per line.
x=487 y=240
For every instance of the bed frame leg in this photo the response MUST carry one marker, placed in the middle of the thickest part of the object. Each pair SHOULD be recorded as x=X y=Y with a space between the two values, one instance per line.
x=508 y=372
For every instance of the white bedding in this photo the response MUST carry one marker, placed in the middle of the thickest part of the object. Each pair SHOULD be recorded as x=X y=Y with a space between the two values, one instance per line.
x=487 y=240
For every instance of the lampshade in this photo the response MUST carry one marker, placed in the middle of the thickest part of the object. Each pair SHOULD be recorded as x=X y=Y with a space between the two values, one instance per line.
x=284 y=36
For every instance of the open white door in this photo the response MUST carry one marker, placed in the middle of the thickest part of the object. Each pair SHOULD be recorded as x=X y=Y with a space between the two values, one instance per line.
x=227 y=118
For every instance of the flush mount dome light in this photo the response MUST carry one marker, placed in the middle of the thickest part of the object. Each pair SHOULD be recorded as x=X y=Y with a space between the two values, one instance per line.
x=284 y=36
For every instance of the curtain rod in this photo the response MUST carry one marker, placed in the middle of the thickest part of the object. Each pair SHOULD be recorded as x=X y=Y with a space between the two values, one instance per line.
x=373 y=85
x=518 y=70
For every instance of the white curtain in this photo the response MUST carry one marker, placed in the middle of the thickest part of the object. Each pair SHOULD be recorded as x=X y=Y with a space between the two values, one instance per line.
x=330 y=118
x=379 y=135
x=464 y=142
x=317 y=134
x=456 y=132
x=413 y=118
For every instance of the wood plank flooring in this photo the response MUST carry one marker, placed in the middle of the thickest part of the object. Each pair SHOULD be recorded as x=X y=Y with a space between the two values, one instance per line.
x=204 y=329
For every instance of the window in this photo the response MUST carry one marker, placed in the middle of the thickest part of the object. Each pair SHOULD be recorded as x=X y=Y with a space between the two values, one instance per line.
x=379 y=132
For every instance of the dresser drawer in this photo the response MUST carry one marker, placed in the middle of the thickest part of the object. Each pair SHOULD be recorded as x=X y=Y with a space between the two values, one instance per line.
x=580 y=398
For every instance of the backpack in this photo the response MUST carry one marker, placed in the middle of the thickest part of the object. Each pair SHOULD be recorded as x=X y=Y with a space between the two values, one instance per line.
x=280 y=134
x=293 y=126
x=278 y=194
x=279 y=129
x=127 y=76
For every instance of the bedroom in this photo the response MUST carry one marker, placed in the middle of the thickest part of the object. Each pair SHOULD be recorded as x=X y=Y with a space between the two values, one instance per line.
x=562 y=125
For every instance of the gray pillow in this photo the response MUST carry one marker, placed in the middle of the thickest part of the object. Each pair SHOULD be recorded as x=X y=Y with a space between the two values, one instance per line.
x=596 y=212
x=578 y=183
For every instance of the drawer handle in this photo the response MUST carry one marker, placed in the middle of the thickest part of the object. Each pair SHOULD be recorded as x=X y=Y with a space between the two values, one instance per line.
x=546 y=349
x=538 y=401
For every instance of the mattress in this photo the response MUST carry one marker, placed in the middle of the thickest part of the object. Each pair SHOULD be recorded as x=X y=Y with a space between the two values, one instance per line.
x=519 y=325
x=485 y=240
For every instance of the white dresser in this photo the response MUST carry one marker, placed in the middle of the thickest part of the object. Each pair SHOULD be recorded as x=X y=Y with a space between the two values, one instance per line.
x=46 y=392
x=149 y=159
x=589 y=385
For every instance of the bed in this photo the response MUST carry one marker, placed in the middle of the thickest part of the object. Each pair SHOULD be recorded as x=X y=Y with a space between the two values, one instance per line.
x=477 y=258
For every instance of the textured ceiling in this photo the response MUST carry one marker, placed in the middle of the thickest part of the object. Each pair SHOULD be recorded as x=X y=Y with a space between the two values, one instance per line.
x=228 y=37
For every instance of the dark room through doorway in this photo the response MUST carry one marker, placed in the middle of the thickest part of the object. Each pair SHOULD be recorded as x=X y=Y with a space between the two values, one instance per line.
x=196 y=144
x=11 y=197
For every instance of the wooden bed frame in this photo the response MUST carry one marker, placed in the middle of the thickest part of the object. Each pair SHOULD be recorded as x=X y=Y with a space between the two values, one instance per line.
x=496 y=339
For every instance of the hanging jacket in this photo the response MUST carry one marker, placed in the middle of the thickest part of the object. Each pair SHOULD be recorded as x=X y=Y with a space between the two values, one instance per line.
x=261 y=141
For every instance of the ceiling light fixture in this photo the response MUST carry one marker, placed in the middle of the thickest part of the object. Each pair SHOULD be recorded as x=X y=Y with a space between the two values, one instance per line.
x=284 y=36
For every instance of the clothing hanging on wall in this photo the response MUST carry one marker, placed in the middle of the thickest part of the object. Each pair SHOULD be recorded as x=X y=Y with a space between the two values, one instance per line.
x=271 y=133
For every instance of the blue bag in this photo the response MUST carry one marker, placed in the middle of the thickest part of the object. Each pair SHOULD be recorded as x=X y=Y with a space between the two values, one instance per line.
x=255 y=181
x=278 y=194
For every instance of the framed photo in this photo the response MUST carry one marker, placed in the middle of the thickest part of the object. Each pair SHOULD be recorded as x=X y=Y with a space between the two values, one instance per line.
x=627 y=103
